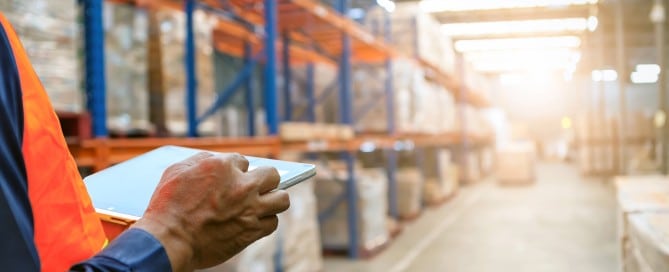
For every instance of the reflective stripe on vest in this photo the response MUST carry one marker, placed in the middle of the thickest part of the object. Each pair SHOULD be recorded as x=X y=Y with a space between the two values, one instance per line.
x=67 y=230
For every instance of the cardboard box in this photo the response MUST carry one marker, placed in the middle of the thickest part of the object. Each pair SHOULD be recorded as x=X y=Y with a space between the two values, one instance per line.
x=409 y=192
x=649 y=234
x=372 y=206
x=516 y=163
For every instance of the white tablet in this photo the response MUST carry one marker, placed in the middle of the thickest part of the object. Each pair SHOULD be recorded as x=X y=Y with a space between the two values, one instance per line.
x=121 y=193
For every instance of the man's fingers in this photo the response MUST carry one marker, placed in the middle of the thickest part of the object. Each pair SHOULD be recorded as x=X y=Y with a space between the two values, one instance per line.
x=268 y=178
x=273 y=203
x=237 y=161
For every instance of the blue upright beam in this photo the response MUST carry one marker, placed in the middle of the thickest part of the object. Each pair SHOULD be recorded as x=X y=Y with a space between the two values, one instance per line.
x=311 y=98
x=191 y=73
x=95 y=66
x=366 y=108
x=346 y=117
x=225 y=95
x=271 y=106
x=390 y=112
x=250 y=101
x=287 y=79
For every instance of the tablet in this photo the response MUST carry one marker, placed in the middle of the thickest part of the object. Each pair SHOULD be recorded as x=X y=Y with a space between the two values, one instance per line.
x=121 y=193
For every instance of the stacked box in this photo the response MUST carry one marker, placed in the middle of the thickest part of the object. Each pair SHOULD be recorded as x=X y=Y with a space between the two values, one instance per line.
x=126 y=30
x=372 y=206
x=409 y=192
x=639 y=196
x=445 y=183
x=417 y=33
x=420 y=106
x=516 y=163
x=173 y=36
x=50 y=34
x=649 y=241
x=299 y=231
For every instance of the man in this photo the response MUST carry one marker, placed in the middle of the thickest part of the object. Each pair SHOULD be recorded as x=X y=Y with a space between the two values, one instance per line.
x=204 y=210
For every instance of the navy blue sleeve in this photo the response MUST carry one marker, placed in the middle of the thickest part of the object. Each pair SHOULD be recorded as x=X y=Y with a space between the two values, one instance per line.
x=134 y=250
x=17 y=249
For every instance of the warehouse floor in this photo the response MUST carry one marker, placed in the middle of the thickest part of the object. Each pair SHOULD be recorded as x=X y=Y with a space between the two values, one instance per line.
x=562 y=223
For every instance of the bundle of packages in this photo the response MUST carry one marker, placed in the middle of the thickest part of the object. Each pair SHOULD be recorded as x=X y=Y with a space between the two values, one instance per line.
x=372 y=207
x=126 y=30
x=516 y=163
x=420 y=33
x=369 y=90
x=444 y=183
x=640 y=236
x=299 y=231
x=409 y=192
x=173 y=39
x=648 y=248
x=325 y=82
x=49 y=33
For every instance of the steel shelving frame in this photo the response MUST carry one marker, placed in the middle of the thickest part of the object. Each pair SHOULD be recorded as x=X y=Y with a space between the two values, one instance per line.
x=294 y=32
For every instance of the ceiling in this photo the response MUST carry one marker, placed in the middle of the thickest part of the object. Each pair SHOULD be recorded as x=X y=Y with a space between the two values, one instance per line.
x=639 y=37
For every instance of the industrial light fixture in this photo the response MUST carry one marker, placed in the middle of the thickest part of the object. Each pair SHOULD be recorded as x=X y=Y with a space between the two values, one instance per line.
x=592 y=23
x=558 y=59
x=645 y=73
x=605 y=75
x=511 y=27
x=518 y=43
x=460 y=5
x=386 y=4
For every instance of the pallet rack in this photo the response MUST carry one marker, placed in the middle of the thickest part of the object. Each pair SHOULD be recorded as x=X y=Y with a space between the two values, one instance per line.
x=295 y=32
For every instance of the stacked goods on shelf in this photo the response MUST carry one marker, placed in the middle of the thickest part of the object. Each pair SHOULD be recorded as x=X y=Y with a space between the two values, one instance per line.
x=596 y=142
x=49 y=33
x=643 y=206
x=649 y=239
x=417 y=34
x=410 y=181
x=300 y=131
x=326 y=88
x=372 y=206
x=299 y=231
x=476 y=83
x=257 y=257
x=516 y=163
x=476 y=122
x=126 y=30
x=409 y=192
x=441 y=180
x=641 y=135
x=173 y=39
x=487 y=160
x=421 y=106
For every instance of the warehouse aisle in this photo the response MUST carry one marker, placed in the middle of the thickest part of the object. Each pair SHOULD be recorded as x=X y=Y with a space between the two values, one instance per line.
x=562 y=223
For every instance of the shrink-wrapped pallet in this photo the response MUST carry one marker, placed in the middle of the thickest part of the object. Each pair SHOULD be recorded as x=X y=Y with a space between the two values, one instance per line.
x=173 y=39
x=649 y=241
x=299 y=231
x=50 y=34
x=372 y=204
x=409 y=192
x=126 y=30
x=516 y=163
x=637 y=195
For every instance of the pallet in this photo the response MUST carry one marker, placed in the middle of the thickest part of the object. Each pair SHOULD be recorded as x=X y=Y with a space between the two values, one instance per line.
x=511 y=183
x=364 y=253
x=410 y=217
x=441 y=201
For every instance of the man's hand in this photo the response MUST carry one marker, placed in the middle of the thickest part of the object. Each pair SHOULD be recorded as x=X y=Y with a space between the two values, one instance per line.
x=208 y=208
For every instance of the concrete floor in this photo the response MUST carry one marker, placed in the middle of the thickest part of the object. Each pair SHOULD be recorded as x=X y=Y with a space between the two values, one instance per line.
x=562 y=223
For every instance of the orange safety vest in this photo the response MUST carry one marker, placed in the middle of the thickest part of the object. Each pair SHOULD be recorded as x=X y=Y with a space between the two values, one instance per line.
x=67 y=230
